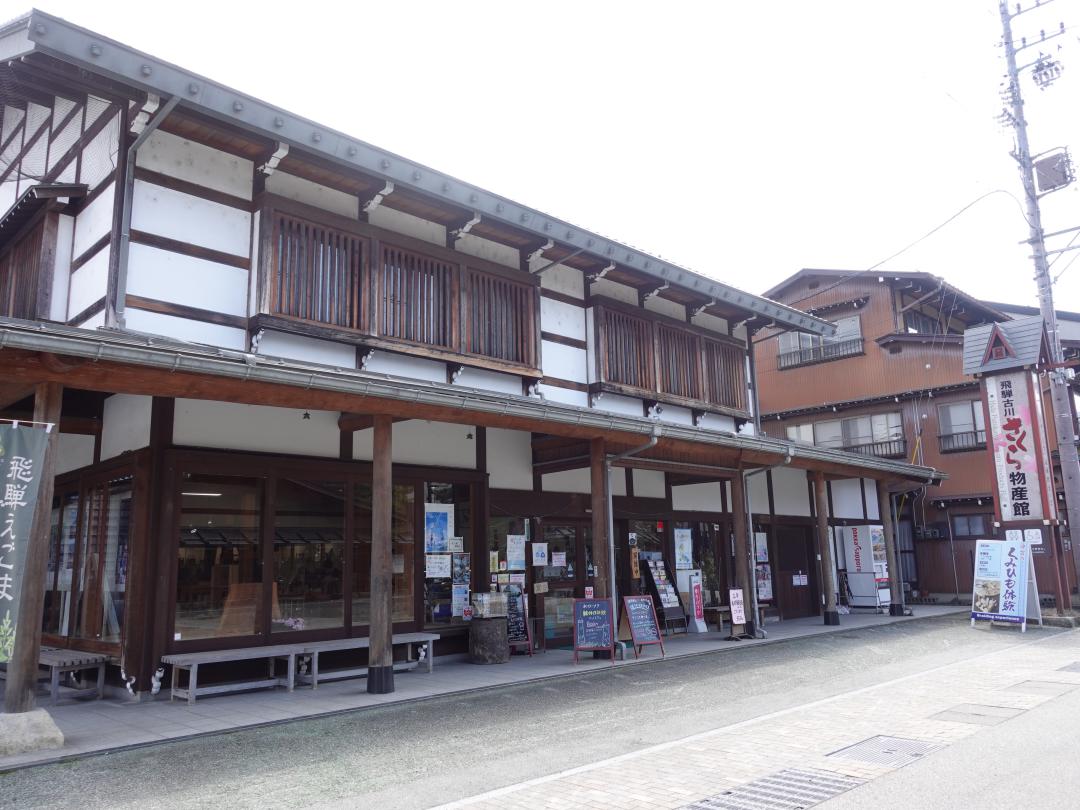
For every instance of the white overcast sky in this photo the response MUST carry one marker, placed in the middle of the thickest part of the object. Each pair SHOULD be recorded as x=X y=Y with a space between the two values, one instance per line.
x=744 y=141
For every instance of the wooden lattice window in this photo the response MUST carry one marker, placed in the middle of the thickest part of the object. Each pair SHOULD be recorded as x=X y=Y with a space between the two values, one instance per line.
x=417 y=295
x=501 y=318
x=725 y=373
x=627 y=347
x=319 y=273
x=678 y=362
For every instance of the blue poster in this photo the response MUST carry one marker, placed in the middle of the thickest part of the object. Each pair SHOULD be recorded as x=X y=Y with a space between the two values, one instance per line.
x=1000 y=590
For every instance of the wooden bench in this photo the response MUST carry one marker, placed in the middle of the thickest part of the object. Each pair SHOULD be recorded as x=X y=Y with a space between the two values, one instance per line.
x=192 y=661
x=59 y=661
x=717 y=614
x=315 y=648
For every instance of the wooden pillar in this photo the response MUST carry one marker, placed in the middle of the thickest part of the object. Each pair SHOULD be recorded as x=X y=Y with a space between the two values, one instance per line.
x=828 y=564
x=598 y=488
x=22 y=669
x=380 y=677
x=744 y=574
x=892 y=555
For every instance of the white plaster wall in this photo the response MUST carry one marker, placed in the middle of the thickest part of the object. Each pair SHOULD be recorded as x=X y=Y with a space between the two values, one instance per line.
x=201 y=423
x=565 y=362
x=790 y=495
x=432 y=444
x=758 y=488
x=99 y=156
x=307 y=349
x=846 y=498
x=61 y=107
x=665 y=307
x=695 y=497
x=712 y=421
x=64 y=139
x=614 y=403
x=509 y=458
x=168 y=276
x=486 y=249
x=181 y=216
x=676 y=415
x=65 y=233
x=93 y=322
x=590 y=345
x=400 y=222
x=12 y=117
x=33 y=162
x=125 y=424
x=253 y=278
x=562 y=279
x=211 y=168
x=739 y=332
x=565 y=396
x=75 y=450
x=93 y=222
x=562 y=319
x=568 y=481
x=649 y=484
x=490 y=381
x=88 y=283
x=710 y=322
x=211 y=334
x=611 y=289
x=870 y=487
x=403 y=365
x=305 y=191
x=95 y=108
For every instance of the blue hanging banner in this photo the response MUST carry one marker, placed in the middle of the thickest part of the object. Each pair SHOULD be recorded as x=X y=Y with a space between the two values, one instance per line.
x=22 y=456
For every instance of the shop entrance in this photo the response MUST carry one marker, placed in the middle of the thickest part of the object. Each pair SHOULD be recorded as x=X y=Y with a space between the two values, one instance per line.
x=568 y=572
x=796 y=584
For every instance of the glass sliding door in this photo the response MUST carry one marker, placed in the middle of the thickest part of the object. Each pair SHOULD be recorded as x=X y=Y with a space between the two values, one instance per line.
x=103 y=554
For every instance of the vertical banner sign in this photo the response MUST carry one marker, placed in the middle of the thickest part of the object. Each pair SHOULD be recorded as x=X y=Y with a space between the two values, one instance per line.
x=22 y=454
x=738 y=612
x=1013 y=435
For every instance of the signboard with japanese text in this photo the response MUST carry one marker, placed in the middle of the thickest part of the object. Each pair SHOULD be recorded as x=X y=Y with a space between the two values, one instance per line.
x=639 y=616
x=22 y=454
x=1016 y=438
x=738 y=611
x=594 y=626
x=1004 y=589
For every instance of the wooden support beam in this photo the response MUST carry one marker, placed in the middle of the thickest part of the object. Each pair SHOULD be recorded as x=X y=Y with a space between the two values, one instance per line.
x=597 y=455
x=352 y=422
x=22 y=669
x=892 y=556
x=828 y=564
x=921 y=299
x=380 y=677
x=744 y=574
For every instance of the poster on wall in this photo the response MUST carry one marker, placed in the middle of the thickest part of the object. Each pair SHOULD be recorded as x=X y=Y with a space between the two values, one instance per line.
x=761 y=547
x=764 y=582
x=515 y=552
x=558 y=559
x=457 y=544
x=539 y=553
x=1004 y=589
x=437 y=566
x=684 y=549
x=461 y=570
x=438 y=527
x=493 y=561
x=459 y=598
x=1013 y=436
x=398 y=564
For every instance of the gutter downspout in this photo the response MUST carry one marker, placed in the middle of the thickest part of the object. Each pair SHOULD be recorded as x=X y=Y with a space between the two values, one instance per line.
x=117 y=319
x=608 y=463
x=759 y=632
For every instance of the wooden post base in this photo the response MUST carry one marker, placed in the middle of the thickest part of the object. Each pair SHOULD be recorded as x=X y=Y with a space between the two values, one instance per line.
x=380 y=680
x=832 y=618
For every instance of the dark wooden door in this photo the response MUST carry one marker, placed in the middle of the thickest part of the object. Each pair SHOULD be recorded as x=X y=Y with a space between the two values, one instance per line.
x=796 y=585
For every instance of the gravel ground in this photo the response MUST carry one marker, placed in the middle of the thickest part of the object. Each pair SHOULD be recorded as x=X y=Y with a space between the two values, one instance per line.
x=425 y=753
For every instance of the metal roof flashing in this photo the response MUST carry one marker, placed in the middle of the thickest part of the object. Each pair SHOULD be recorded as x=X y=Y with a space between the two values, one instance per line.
x=70 y=43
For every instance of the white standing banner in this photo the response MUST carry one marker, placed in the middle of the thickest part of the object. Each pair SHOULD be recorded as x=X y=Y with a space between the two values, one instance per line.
x=738 y=612
x=1005 y=589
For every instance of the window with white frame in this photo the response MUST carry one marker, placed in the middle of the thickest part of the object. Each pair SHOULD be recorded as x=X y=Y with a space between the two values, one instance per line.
x=961 y=426
x=801 y=348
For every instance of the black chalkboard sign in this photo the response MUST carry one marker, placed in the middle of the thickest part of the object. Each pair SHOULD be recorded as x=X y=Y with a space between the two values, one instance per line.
x=594 y=626
x=640 y=615
x=518 y=633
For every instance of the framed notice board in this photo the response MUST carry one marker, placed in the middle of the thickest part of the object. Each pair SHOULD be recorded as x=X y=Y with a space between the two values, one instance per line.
x=639 y=617
x=594 y=626
x=664 y=593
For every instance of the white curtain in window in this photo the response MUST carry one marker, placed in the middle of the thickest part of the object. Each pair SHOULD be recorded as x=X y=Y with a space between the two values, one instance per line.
x=829 y=434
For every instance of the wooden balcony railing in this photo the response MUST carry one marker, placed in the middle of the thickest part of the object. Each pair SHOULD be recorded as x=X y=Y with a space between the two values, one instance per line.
x=644 y=355
x=332 y=277
x=819 y=354
x=962 y=440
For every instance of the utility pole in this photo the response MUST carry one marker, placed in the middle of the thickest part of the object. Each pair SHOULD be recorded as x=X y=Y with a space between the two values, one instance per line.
x=1046 y=70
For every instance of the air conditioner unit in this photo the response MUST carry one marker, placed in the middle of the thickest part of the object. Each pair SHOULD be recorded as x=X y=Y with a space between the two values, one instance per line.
x=933 y=534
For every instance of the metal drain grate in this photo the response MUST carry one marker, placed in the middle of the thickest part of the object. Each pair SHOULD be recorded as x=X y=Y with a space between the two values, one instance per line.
x=790 y=789
x=977 y=714
x=1052 y=688
x=893 y=752
x=1073 y=667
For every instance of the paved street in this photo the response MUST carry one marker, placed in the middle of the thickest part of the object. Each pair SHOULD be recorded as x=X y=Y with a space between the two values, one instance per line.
x=619 y=738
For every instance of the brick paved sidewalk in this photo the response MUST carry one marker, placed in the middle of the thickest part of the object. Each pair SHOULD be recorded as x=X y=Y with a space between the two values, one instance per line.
x=684 y=772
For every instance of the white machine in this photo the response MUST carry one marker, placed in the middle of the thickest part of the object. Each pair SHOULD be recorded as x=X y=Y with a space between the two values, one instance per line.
x=860 y=550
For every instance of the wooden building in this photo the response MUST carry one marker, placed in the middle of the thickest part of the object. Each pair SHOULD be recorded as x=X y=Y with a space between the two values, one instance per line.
x=890 y=384
x=282 y=350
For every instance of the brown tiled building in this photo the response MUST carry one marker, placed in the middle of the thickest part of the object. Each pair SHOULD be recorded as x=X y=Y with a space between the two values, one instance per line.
x=891 y=384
